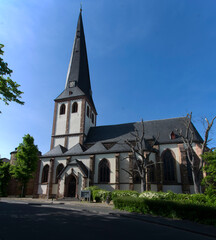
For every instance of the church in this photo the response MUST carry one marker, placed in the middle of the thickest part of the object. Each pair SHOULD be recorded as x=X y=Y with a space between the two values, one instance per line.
x=83 y=154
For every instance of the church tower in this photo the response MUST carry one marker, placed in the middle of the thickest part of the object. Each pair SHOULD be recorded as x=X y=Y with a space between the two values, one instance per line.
x=74 y=111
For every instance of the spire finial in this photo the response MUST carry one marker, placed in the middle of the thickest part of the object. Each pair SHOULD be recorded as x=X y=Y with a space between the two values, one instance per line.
x=81 y=7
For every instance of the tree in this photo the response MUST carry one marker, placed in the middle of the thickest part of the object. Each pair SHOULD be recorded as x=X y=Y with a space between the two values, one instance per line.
x=26 y=163
x=210 y=169
x=196 y=162
x=5 y=177
x=8 y=88
x=141 y=149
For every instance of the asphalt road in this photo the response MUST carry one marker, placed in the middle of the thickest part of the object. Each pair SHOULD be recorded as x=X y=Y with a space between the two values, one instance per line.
x=24 y=221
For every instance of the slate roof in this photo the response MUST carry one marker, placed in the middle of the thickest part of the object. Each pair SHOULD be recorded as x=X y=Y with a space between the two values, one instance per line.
x=155 y=128
x=76 y=150
x=117 y=134
x=96 y=148
x=78 y=163
x=56 y=151
x=78 y=70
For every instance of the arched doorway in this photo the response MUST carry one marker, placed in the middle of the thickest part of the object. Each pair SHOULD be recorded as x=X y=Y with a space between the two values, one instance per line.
x=72 y=187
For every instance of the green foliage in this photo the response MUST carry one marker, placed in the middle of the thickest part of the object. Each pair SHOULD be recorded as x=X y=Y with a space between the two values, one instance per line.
x=8 y=88
x=124 y=193
x=100 y=195
x=92 y=188
x=210 y=168
x=5 y=177
x=27 y=158
x=188 y=198
x=173 y=209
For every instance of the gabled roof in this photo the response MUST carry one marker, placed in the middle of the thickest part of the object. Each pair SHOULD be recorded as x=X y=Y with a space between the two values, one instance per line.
x=120 y=146
x=77 y=163
x=71 y=92
x=56 y=151
x=160 y=129
x=78 y=78
x=76 y=150
x=96 y=148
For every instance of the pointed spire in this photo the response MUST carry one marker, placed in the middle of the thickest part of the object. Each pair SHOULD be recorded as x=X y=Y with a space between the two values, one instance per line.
x=81 y=7
x=78 y=70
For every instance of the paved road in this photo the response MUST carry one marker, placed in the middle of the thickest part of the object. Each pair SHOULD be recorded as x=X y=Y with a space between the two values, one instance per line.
x=24 y=221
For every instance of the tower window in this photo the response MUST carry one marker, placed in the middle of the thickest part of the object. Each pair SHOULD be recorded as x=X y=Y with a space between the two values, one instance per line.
x=45 y=174
x=87 y=111
x=62 y=109
x=92 y=117
x=104 y=171
x=74 y=107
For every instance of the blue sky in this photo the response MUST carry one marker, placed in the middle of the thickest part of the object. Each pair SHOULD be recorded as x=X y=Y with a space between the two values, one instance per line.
x=148 y=59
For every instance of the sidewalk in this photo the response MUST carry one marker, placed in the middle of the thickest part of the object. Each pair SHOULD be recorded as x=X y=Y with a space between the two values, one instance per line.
x=102 y=208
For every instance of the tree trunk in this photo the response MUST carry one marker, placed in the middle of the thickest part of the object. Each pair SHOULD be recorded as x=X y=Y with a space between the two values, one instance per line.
x=23 y=190
x=196 y=182
x=143 y=184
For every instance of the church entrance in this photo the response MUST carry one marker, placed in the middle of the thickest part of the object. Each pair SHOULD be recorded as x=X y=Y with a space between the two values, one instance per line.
x=72 y=187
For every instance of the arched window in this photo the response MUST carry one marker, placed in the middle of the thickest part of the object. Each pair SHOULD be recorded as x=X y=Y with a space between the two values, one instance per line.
x=152 y=173
x=58 y=170
x=92 y=117
x=168 y=166
x=45 y=174
x=74 y=107
x=104 y=171
x=87 y=111
x=62 y=109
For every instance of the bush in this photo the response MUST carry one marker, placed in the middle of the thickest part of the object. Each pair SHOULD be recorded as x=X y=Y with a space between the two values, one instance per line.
x=92 y=188
x=157 y=195
x=187 y=198
x=174 y=209
x=124 y=193
x=100 y=195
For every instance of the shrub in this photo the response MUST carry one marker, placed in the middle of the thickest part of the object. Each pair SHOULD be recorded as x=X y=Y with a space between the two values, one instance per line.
x=187 y=198
x=174 y=209
x=100 y=195
x=92 y=188
x=157 y=195
x=124 y=193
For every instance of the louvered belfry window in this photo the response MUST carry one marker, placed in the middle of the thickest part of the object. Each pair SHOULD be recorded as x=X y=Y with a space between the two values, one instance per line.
x=74 y=107
x=62 y=109
x=104 y=171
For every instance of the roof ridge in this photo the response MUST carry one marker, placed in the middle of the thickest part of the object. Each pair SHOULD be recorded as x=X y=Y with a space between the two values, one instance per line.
x=138 y=122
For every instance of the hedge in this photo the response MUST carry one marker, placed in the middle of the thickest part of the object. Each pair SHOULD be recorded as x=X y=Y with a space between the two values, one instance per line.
x=187 y=198
x=124 y=193
x=166 y=208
